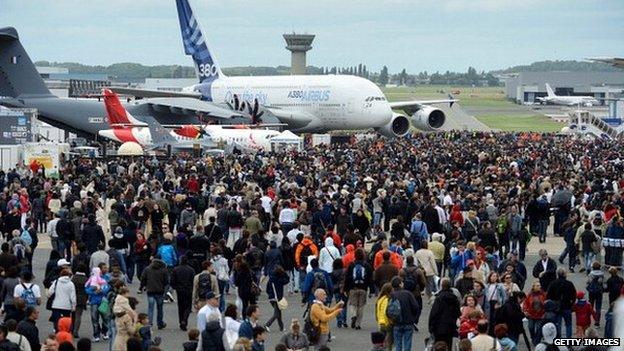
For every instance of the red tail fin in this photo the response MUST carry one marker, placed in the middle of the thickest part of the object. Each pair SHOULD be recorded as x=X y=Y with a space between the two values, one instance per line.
x=115 y=112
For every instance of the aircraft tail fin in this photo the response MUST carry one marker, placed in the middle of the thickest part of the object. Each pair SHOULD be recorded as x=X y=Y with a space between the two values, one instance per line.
x=18 y=75
x=195 y=44
x=116 y=114
x=550 y=91
x=160 y=135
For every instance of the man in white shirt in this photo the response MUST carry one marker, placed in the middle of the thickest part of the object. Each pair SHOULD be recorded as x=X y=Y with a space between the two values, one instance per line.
x=482 y=341
x=287 y=217
x=211 y=307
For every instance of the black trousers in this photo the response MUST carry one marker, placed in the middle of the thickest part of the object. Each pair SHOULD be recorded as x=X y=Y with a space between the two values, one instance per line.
x=277 y=316
x=185 y=302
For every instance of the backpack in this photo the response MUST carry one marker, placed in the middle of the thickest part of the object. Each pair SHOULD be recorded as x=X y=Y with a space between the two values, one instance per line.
x=312 y=331
x=359 y=274
x=501 y=225
x=28 y=295
x=393 y=311
x=409 y=282
x=319 y=281
x=26 y=237
x=303 y=255
x=204 y=285
x=257 y=257
x=595 y=287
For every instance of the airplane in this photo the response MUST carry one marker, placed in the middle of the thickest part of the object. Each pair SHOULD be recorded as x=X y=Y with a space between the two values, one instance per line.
x=306 y=103
x=125 y=127
x=614 y=61
x=21 y=86
x=554 y=99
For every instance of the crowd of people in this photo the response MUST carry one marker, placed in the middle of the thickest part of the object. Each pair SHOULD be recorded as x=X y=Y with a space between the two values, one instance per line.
x=439 y=221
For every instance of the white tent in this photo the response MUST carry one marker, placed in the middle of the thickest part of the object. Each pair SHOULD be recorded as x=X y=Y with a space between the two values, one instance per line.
x=286 y=140
x=130 y=148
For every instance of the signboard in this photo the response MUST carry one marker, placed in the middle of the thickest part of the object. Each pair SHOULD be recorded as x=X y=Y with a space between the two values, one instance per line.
x=46 y=155
x=15 y=127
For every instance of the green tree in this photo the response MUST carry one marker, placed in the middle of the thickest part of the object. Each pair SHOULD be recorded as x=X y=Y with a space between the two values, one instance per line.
x=383 y=76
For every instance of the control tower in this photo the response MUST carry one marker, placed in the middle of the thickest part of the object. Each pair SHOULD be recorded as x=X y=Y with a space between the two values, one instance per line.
x=298 y=45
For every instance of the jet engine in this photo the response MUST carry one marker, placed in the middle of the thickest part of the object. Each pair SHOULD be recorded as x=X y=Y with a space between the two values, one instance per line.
x=397 y=127
x=429 y=119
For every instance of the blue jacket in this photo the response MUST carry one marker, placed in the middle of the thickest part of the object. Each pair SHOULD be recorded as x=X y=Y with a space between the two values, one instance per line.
x=246 y=330
x=168 y=255
x=308 y=294
x=94 y=297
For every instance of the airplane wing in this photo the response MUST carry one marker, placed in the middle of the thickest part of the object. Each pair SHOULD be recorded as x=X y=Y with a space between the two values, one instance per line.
x=146 y=93
x=416 y=105
x=614 y=61
x=190 y=106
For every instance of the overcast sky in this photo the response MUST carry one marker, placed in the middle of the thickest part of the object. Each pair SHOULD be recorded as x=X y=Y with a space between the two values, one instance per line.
x=417 y=35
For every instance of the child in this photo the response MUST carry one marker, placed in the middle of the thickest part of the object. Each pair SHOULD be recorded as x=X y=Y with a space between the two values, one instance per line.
x=377 y=338
x=144 y=331
x=259 y=335
x=64 y=333
x=193 y=340
x=584 y=312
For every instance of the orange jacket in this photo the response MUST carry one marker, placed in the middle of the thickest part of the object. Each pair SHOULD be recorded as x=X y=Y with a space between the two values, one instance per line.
x=305 y=242
x=394 y=258
x=349 y=257
x=64 y=330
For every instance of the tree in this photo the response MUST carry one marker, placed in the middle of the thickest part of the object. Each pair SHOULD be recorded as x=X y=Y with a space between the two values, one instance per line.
x=383 y=76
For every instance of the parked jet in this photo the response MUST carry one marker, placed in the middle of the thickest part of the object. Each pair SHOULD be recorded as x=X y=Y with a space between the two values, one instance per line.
x=555 y=99
x=124 y=128
x=307 y=103
x=21 y=86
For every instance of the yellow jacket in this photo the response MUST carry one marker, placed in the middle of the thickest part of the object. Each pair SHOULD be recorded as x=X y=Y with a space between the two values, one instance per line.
x=321 y=315
x=380 y=312
x=438 y=250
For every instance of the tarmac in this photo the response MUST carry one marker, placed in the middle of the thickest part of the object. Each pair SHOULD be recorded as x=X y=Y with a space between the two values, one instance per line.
x=343 y=339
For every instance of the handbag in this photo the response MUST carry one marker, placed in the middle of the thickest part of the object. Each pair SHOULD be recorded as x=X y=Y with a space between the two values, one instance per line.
x=52 y=296
x=104 y=307
x=282 y=303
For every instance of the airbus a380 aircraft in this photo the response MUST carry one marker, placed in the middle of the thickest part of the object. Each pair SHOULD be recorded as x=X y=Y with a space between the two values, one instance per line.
x=306 y=103
x=554 y=99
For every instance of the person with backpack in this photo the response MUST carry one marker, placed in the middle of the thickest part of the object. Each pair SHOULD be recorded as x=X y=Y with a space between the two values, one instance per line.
x=595 y=289
x=358 y=278
x=444 y=314
x=304 y=249
x=203 y=283
x=182 y=282
x=404 y=311
x=414 y=279
x=318 y=318
x=27 y=290
x=418 y=231
x=385 y=272
x=316 y=279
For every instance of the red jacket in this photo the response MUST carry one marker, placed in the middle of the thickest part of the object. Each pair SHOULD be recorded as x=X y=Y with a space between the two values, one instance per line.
x=584 y=312
x=533 y=305
x=349 y=257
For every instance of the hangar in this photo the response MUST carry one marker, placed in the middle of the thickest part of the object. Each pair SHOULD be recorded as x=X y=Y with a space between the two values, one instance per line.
x=525 y=87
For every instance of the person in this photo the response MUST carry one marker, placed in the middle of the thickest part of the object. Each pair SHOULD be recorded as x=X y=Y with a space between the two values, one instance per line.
x=259 y=338
x=358 y=278
x=97 y=288
x=403 y=327
x=16 y=338
x=533 y=308
x=295 y=340
x=482 y=341
x=338 y=277
x=27 y=290
x=154 y=280
x=385 y=272
x=64 y=333
x=426 y=259
x=28 y=328
x=321 y=315
x=328 y=254
x=511 y=314
x=251 y=321
x=144 y=332
x=444 y=314
x=64 y=292
x=315 y=279
x=92 y=235
x=5 y=343
x=463 y=345
x=98 y=257
x=182 y=282
x=587 y=238
x=304 y=249
x=584 y=313
x=549 y=333
x=84 y=344
x=383 y=322
x=614 y=284
x=79 y=279
x=275 y=292
x=8 y=284
x=232 y=325
x=193 y=340
x=203 y=283
x=124 y=320
x=595 y=289
x=211 y=307
x=545 y=269
x=213 y=336
x=564 y=292
x=377 y=339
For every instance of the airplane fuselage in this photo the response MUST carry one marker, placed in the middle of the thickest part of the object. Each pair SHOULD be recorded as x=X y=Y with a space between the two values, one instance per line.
x=571 y=100
x=315 y=103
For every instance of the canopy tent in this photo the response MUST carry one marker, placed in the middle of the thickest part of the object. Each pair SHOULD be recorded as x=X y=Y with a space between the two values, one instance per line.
x=285 y=140
x=130 y=148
